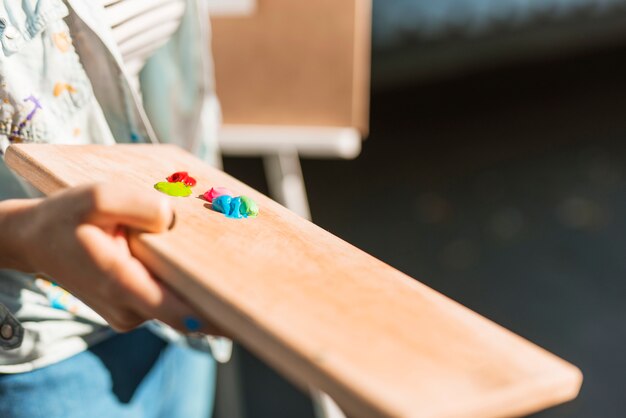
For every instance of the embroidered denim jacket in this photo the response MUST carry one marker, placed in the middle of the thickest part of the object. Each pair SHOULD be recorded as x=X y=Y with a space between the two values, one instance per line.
x=54 y=90
x=62 y=80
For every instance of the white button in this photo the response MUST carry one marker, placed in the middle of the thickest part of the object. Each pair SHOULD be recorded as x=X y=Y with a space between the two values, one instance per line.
x=11 y=32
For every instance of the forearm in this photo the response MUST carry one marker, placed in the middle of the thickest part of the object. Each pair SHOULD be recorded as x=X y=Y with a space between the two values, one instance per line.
x=13 y=246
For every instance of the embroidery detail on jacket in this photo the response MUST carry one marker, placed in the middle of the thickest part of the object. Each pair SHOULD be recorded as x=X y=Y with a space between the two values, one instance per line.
x=59 y=88
x=6 y=116
x=60 y=298
x=62 y=41
x=22 y=132
x=37 y=106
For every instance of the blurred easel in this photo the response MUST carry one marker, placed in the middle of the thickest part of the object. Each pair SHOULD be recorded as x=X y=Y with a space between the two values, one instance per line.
x=293 y=81
x=292 y=78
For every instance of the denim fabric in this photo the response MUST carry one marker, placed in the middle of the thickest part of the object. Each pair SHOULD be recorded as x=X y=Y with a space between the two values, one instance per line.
x=63 y=81
x=134 y=375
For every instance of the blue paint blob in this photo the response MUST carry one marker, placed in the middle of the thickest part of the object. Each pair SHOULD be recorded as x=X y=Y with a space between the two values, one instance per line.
x=222 y=204
x=235 y=209
x=228 y=205
x=192 y=324
x=232 y=207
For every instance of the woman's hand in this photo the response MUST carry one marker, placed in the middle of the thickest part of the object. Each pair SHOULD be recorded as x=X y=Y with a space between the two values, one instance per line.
x=78 y=237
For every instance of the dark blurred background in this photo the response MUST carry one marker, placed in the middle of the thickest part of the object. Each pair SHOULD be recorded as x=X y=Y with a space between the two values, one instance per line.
x=495 y=172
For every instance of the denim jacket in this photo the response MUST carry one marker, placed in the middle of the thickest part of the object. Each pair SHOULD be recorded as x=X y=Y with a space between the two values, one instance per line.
x=52 y=87
x=62 y=80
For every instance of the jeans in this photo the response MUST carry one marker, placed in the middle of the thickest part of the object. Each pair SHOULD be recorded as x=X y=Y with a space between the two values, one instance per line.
x=133 y=375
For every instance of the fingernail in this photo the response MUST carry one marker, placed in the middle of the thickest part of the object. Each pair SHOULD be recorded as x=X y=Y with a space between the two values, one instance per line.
x=192 y=323
x=173 y=221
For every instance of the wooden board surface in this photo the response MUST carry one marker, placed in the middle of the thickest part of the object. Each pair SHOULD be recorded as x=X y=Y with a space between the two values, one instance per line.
x=295 y=63
x=321 y=311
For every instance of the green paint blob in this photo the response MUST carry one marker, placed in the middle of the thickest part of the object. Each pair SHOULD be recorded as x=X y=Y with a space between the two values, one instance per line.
x=178 y=189
x=249 y=207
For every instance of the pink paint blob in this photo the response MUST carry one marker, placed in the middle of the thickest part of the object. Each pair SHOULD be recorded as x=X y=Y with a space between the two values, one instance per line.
x=216 y=192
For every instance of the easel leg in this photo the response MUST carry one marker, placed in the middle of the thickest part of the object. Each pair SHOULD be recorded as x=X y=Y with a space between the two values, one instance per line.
x=285 y=181
x=324 y=405
x=229 y=402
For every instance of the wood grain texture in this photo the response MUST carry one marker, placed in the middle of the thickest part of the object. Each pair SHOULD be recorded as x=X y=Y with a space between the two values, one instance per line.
x=295 y=63
x=321 y=311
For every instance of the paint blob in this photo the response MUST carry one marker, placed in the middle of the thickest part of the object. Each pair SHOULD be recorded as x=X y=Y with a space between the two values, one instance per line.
x=178 y=189
x=222 y=204
x=249 y=208
x=182 y=176
x=216 y=192
x=228 y=205
x=235 y=207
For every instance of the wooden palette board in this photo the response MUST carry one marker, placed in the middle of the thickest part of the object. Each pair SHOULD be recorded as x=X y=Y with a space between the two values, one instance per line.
x=319 y=310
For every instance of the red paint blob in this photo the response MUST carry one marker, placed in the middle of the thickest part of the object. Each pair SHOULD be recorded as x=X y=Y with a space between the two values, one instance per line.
x=182 y=176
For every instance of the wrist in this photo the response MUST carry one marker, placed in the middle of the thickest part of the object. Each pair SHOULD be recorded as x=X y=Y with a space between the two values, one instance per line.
x=14 y=241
